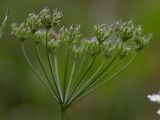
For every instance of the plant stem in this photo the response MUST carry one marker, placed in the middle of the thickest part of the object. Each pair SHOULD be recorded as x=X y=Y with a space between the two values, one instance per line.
x=63 y=112
x=36 y=73
x=105 y=81
x=65 y=76
x=51 y=69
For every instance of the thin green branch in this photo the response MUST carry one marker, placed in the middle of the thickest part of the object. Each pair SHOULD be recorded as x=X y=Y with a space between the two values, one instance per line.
x=43 y=68
x=84 y=88
x=57 y=81
x=79 y=69
x=51 y=69
x=83 y=76
x=3 y=25
x=70 y=79
x=57 y=75
x=106 y=81
x=36 y=73
x=97 y=71
x=65 y=76
x=105 y=74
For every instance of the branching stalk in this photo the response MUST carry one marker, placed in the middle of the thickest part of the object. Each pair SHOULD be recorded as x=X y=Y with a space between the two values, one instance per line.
x=51 y=69
x=43 y=68
x=85 y=73
x=65 y=76
x=105 y=81
x=57 y=74
x=37 y=74
x=70 y=80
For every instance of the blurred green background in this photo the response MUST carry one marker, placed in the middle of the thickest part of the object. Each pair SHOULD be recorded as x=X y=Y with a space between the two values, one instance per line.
x=22 y=97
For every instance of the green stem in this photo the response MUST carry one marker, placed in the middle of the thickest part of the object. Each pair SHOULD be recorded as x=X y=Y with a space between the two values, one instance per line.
x=63 y=112
x=51 y=69
x=65 y=76
x=82 y=78
x=78 y=71
x=70 y=80
x=37 y=74
x=86 y=86
x=105 y=81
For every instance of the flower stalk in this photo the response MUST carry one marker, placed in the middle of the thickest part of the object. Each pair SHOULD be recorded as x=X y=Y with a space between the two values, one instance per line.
x=3 y=25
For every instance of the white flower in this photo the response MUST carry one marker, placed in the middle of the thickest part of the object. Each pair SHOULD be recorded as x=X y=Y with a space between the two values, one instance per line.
x=154 y=98
x=158 y=112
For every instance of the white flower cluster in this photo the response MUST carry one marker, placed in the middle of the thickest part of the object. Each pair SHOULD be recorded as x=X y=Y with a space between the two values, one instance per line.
x=128 y=37
x=155 y=98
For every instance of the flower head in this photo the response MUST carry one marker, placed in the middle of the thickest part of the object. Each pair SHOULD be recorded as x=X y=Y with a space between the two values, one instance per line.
x=33 y=22
x=155 y=98
x=21 y=31
x=102 y=32
x=70 y=35
x=112 y=42
x=158 y=112
x=127 y=30
x=56 y=17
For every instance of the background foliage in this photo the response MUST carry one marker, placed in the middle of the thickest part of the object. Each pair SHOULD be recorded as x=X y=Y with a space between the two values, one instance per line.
x=23 y=98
